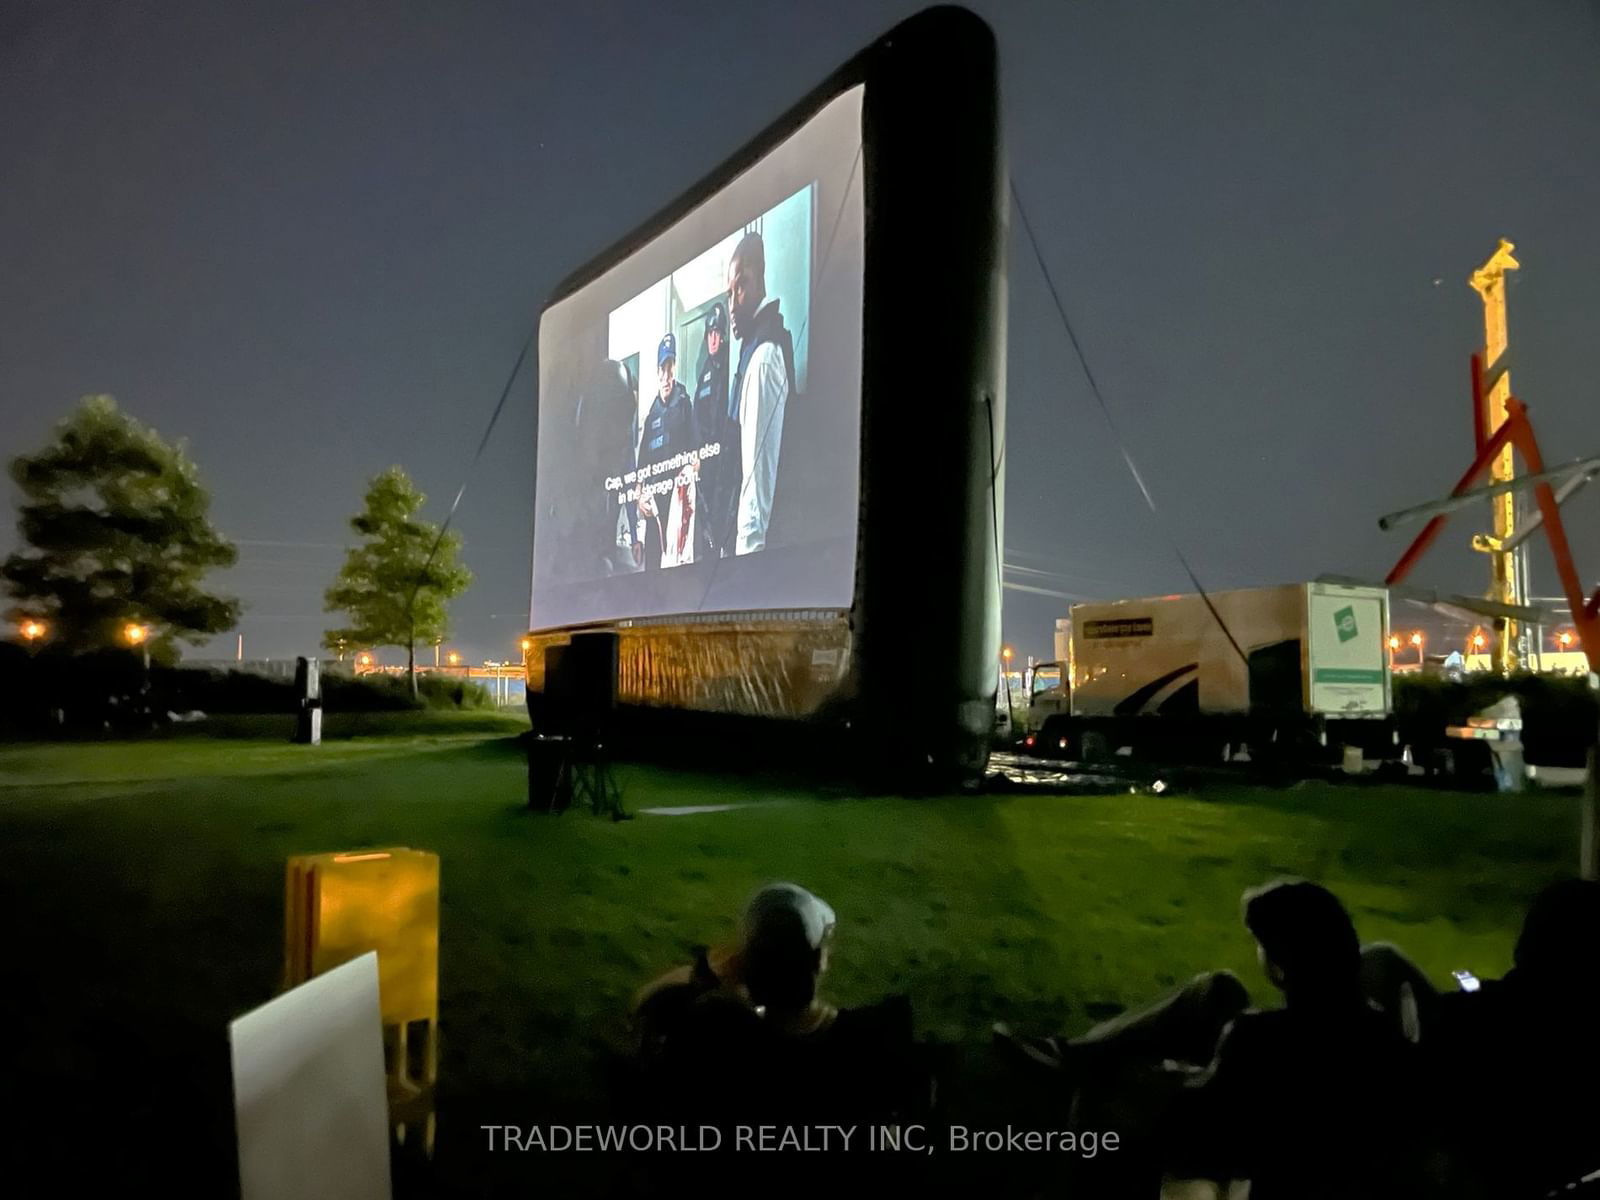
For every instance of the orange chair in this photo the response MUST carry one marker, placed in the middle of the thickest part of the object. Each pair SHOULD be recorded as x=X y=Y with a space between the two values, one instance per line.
x=340 y=906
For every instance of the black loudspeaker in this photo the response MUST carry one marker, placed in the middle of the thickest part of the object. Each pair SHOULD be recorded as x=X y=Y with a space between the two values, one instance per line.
x=580 y=684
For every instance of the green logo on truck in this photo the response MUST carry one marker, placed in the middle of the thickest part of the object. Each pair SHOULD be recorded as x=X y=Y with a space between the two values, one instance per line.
x=1345 y=622
x=1347 y=675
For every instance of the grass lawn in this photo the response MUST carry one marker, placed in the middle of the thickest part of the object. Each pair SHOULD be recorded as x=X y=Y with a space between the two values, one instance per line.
x=143 y=885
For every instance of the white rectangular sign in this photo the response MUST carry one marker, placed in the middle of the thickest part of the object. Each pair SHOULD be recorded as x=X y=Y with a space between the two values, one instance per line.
x=309 y=1091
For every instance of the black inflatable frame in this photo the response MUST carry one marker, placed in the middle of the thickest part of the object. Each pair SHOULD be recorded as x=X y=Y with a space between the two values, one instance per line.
x=925 y=622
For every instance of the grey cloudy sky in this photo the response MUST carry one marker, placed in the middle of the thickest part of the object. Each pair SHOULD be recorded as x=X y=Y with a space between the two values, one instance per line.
x=311 y=237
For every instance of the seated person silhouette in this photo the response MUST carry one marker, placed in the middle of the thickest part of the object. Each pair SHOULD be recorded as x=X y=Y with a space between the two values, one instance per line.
x=1512 y=1063
x=1307 y=1100
x=744 y=1035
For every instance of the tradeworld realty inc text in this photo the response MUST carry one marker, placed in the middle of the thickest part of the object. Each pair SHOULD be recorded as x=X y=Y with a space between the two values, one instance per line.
x=816 y=1139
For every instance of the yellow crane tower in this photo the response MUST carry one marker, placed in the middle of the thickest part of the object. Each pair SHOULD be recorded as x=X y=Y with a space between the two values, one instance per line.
x=1506 y=583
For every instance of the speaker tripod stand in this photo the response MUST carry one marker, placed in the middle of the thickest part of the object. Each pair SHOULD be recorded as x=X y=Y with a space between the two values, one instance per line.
x=564 y=768
x=586 y=777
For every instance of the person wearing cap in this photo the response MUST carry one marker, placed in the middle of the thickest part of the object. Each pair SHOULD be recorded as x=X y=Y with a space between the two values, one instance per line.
x=669 y=428
x=716 y=424
x=772 y=967
x=749 y=1023
x=762 y=388
x=784 y=942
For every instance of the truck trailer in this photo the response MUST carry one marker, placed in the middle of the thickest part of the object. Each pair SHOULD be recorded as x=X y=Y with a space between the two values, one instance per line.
x=1290 y=670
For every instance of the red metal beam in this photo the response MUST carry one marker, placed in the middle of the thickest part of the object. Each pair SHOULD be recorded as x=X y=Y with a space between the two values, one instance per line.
x=1518 y=430
x=1583 y=615
x=1430 y=531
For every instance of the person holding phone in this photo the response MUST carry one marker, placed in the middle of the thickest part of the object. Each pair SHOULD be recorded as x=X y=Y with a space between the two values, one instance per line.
x=1512 y=1060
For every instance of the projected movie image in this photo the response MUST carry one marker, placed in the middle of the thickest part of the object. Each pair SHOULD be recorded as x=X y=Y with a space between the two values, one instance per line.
x=699 y=423
x=704 y=455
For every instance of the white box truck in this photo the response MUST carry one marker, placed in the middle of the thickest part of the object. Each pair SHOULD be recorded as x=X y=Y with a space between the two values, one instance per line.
x=1310 y=669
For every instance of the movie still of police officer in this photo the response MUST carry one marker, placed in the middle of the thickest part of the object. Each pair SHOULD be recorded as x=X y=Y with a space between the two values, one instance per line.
x=664 y=508
x=704 y=445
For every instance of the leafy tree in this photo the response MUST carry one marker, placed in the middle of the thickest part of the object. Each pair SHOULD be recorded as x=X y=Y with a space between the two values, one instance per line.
x=117 y=530
x=392 y=593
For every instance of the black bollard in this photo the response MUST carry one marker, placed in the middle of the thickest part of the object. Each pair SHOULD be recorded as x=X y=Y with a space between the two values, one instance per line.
x=308 y=699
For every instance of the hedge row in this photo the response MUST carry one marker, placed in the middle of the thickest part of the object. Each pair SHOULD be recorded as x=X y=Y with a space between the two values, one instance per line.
x=222 y=691
x=94 y=690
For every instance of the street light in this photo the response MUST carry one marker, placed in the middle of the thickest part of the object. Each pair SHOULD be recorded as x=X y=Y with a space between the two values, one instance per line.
x=455 y=659
x=33 y=630
x=1479 y=641
x=138 y=636
x=364 y=660
x=1416 y=640
x=526 y=644
x=1565 y=639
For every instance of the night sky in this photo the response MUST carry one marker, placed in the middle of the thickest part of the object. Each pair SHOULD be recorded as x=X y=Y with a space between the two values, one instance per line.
x=311 y=238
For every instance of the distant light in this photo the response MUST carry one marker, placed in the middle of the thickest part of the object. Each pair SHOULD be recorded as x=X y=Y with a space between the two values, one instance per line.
x=365 y=660
x=527 y=644
x=1028 y=741
x=1062 y=744
x=33 y=630
x=1416 y=639
x=1565 y=638
x=1159 y=786
x=1394 y=641
x=1007 y=653
x=454 y=658
x=1478 y=641
x=135 y=633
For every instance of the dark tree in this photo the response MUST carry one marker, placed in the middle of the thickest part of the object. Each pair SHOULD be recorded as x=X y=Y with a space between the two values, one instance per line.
x=118 y=532
x=392 y=593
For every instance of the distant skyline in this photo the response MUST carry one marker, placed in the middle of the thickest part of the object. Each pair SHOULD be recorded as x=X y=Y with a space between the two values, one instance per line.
x=310 y=239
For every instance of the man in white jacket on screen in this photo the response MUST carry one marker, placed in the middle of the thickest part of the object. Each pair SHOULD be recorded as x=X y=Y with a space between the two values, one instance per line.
x=761 y=389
